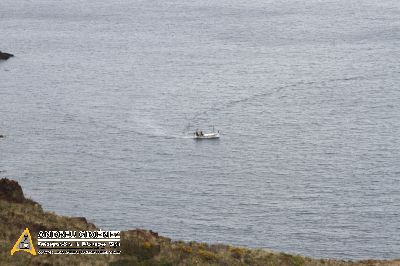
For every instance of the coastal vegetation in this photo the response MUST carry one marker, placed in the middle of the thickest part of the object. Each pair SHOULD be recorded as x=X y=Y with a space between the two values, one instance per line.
x=139 y=247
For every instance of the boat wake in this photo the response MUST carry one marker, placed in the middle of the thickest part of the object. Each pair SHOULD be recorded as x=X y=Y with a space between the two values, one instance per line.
x=229 y=104
x=143 y=125
x=145 y=128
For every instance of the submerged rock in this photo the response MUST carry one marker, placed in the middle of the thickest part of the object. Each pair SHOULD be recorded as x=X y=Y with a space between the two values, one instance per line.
x=5 y=56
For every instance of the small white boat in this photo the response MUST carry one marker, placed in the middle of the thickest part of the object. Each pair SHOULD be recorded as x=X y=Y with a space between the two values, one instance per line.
x=213 y=135
x=200 y=135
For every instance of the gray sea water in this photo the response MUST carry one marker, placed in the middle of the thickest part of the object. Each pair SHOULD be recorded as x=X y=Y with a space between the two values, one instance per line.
x=99 y=100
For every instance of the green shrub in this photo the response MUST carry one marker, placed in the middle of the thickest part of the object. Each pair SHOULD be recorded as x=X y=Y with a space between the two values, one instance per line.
x=139 y=249
x=293 y=260
x=238 y=253
x=207 y=255
x=185 y=249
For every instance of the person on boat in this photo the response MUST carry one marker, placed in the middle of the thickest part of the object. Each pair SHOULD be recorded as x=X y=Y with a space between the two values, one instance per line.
x=197 y=133
x=201 y=133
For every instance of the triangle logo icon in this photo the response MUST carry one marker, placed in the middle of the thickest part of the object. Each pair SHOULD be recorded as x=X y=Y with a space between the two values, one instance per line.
x=24 y=243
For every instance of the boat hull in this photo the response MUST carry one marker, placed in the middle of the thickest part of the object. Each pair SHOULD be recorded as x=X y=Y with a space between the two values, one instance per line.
x=208 y=136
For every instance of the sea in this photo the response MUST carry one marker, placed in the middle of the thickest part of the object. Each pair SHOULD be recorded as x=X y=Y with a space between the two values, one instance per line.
x=99 y=105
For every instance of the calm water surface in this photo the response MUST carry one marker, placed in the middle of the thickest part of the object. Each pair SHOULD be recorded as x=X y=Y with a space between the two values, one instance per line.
x=99 y=100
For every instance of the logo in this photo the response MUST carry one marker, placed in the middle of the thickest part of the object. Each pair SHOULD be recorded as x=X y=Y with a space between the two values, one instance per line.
x=24 y=243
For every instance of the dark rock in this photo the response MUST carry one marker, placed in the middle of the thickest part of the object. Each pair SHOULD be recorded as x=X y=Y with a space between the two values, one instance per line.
x=11 y=191
x=5 y=56
x=83 y=220
x=153 y=233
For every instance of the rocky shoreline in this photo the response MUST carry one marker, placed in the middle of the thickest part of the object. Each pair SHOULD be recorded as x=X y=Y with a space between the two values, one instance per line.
x=139 y=247
x=5 y=56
